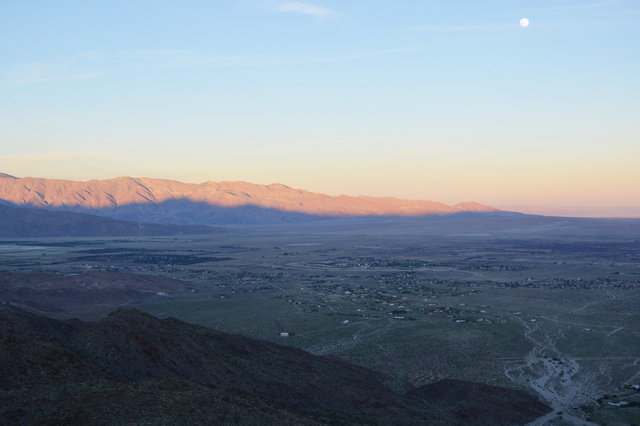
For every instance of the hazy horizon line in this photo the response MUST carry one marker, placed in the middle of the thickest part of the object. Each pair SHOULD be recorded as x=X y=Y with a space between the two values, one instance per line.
x=577 y=211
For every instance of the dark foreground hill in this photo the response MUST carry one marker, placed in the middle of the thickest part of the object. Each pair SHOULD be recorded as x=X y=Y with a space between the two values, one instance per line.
x=29 y=222
x=132 y=368
x=484 y=404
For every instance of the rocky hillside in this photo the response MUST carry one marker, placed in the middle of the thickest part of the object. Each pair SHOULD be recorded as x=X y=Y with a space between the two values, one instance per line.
x=484 y=404
x=132 y=368
x=166 y=201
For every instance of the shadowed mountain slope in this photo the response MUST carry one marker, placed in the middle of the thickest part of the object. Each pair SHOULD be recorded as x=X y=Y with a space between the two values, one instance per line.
x=484 y=404
x=137 y=353
x=18 y=222
x=169 y=201
x=132 y=368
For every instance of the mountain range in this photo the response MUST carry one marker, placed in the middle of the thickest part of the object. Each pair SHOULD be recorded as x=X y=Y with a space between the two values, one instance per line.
x=209 y=203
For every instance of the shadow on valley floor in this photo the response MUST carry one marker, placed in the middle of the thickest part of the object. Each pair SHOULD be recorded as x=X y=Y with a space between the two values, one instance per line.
x=19 y=222
x=182 y=211
x=187 y=217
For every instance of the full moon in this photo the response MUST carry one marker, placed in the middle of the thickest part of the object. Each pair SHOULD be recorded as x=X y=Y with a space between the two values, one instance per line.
x=524 y=22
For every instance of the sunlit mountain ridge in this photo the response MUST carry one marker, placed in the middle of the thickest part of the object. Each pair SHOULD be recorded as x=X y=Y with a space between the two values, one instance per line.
x=168 y=201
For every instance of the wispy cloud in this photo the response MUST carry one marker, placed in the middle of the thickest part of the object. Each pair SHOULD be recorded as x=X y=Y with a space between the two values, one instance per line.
x=87 y=76
x=315 y=142
x=465 y=28
x=42 y=72
x=306 y=9
x=404 y=153
x=52 y=157
x=592 y=5
x=44 y=78
x=82 y=66
x=180 y=58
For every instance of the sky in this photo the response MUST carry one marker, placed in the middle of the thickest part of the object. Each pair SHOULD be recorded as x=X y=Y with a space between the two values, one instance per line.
x=445 y=100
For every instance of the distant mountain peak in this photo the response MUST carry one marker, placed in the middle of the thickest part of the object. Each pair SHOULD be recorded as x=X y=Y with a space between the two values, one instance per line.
x=473 y=206
x=6 y=176
x=278 y=186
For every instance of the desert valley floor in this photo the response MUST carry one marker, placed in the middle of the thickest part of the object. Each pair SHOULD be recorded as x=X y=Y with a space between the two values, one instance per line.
x=545 y=305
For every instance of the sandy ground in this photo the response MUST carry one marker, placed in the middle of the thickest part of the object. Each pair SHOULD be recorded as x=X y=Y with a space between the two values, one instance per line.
x=553 y=374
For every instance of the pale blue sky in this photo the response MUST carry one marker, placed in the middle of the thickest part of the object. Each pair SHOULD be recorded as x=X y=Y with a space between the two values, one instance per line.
x=443 y=100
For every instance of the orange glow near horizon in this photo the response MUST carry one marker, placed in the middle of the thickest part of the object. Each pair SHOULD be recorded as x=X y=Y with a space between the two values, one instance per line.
x=582 y=187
